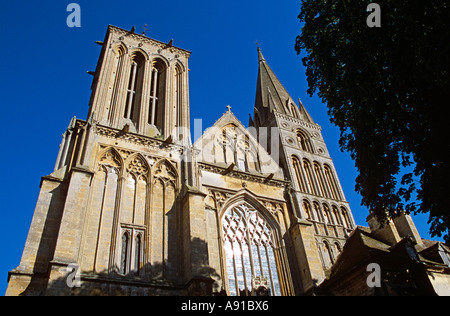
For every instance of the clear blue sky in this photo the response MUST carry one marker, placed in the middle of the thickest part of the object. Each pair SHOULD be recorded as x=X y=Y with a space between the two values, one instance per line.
x=43 y=82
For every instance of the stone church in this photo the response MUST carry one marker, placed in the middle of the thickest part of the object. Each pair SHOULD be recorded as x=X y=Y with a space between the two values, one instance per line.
x=133 y=207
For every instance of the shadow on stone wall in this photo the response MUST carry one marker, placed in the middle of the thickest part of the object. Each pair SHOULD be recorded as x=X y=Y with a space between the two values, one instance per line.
x=148 y=282
x=113 y=284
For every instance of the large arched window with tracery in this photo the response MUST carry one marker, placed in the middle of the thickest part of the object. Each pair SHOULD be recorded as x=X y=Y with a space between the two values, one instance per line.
x=251 y=255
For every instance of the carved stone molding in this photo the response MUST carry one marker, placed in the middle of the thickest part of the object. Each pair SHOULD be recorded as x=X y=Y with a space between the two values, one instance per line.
x=242 y=175
x=138 y=139
x=109 y=158
x=297 y=122
x=138 y=167
x=217 y=198
x=273 y=207
x=144 y=39
x=165 y=173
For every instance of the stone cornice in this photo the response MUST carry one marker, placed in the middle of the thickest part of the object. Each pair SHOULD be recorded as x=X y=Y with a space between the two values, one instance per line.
x=245 y=176
x=136 y=139
x=298 y=121
x=140 y=37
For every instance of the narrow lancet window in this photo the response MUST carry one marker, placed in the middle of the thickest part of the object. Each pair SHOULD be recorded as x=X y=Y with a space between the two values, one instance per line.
x=157 y=93
x=137 y=254
x=298 y=174
x=124 y=255
x=153 y=97
x=132 y=252
x=294 y=111
x=132 y=105
x=332 y=184
x=304 y=142
x=177 y=89
x=131 y=92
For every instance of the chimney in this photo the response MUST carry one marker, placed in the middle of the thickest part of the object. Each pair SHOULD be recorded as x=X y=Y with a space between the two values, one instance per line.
x=387 y=233
x=406 y=227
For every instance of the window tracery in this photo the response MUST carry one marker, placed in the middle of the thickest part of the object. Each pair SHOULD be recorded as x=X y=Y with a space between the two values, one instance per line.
x=233 y=146
x=138 y=167
x=250 y=250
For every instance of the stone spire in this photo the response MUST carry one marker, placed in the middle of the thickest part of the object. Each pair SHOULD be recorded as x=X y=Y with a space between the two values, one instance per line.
x=272 y=96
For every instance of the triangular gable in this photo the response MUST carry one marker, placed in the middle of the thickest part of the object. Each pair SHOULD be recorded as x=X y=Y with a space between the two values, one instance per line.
x=229 y=142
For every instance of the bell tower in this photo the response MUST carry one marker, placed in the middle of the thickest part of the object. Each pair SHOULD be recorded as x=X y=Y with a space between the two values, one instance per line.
x=141 y=85
x=112 y=207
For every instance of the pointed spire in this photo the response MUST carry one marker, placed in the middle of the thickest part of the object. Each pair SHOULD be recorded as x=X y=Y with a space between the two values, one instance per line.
x=250 y=121
x=272 y=96
x=260 y=55
x=304 y=114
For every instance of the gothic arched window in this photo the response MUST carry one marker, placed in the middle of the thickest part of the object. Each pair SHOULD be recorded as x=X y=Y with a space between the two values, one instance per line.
x=347 y=221
x=307 y=209
x=298 y=174
x=319 y=177
x=310 y=178
x=134 y=90
x=131 y=256
x=294 y=111
x=177 y=93
x=250 y=252
x=332 y=184
x=137 y=253
x=125 y=254
x=317 y=212
x=328 y=218
x=157 y=95
x=328 y=254
x=336 y=215
x=303 y=141
x=164 y=218
x=232 y=145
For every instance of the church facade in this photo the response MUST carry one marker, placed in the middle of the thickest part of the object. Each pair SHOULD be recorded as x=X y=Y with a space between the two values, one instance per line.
x=133 y=207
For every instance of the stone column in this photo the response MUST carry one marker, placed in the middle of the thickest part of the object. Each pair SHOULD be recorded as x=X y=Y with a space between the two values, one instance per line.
x=41 y=241
x=68 y=245
x=307 y=254
x=195 y=245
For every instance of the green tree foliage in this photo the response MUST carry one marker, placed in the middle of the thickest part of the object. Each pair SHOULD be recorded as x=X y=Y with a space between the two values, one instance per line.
x=388 y=91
